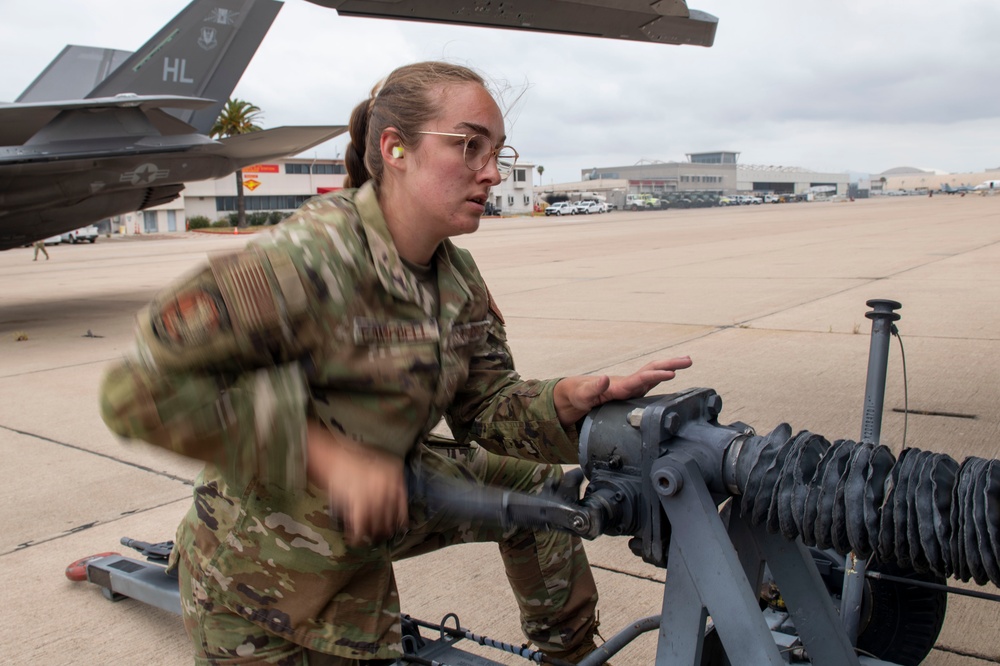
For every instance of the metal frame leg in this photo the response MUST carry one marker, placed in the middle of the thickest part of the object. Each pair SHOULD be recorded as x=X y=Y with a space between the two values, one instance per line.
x=706 y=574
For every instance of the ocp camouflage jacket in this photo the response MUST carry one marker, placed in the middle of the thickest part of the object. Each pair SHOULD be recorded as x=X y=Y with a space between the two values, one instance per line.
x=320 y=320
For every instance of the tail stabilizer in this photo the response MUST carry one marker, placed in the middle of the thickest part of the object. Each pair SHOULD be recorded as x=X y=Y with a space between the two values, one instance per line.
x=201 y=52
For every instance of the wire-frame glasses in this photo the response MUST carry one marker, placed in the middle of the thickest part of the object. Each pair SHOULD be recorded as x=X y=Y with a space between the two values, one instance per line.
x=479 y=149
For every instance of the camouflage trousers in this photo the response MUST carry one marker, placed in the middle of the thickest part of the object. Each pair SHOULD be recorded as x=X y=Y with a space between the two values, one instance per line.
x=547 y=571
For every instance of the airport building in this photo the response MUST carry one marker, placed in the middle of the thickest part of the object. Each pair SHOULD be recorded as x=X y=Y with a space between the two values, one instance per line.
x=283 y=185
x=914 y=180
x=717 y=172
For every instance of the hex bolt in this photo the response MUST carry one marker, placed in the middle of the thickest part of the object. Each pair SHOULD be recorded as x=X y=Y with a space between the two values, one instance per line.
x=671 y=423
x=580 y=523
x=714 y=405
x=668 y=482
x=635 y=417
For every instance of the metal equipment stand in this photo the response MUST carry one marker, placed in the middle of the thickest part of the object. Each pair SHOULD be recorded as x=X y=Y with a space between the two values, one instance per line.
x=716 y=571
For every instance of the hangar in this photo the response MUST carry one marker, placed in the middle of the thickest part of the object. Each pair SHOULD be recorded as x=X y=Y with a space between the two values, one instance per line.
x=717 y=172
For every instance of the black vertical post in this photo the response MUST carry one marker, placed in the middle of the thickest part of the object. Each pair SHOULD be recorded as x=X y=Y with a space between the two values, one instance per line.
x=882 y=316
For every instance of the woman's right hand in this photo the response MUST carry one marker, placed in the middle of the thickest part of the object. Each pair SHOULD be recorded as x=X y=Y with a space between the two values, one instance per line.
x=365 y=485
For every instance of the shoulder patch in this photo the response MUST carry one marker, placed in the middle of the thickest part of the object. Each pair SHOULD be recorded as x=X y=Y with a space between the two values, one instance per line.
x=190 y=317
x=493 y=307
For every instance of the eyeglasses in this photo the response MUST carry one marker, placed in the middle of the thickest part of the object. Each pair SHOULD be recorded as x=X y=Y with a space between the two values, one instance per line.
x=479 y=149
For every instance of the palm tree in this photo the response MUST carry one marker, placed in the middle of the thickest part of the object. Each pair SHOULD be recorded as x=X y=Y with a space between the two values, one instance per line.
x=541 y=170
x=238 y=117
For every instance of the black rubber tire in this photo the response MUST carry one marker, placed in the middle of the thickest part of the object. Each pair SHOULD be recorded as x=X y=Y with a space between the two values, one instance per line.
x=900 y=623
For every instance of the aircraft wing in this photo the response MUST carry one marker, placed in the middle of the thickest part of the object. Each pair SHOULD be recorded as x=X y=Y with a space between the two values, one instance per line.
x=663 y=21
x=19 y=123
x=246 y=149
x=39 y=198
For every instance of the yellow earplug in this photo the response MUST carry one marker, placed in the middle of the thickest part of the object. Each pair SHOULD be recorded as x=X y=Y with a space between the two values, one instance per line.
x=397 y=152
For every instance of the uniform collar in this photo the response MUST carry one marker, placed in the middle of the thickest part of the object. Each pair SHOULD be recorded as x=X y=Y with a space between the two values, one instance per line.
x=395 y=277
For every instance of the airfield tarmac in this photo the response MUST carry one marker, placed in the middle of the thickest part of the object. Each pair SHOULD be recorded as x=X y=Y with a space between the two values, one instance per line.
x=769 y=301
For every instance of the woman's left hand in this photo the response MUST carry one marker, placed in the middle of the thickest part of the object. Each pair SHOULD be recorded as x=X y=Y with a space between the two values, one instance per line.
x=576 y=396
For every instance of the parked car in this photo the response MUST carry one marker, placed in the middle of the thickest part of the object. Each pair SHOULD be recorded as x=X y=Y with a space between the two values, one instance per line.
x=84 y=234
x=588 y=207
x=602 y=206
x=561 y=208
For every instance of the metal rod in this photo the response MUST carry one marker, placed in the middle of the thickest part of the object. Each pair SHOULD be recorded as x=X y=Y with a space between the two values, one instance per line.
x=915 y=582
x=882 y=316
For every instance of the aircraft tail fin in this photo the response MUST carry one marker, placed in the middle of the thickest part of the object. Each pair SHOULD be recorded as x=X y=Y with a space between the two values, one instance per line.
x=73 y=73
x=201 y=52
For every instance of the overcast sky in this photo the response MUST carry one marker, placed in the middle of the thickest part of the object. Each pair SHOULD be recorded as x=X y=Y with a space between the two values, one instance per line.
x=854 y=85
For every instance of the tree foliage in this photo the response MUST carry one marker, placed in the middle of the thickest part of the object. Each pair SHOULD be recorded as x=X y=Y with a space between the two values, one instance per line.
x=238 y=116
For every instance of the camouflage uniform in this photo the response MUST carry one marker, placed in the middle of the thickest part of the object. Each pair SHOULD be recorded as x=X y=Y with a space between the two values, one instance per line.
x=322 y=320
x=40 y=245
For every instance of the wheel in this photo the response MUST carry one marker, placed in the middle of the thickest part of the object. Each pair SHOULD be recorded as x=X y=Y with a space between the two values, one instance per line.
x=93 y=240
x=899 y=623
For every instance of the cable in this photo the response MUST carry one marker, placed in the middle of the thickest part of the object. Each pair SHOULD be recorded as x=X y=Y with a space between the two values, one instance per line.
x=906 y=393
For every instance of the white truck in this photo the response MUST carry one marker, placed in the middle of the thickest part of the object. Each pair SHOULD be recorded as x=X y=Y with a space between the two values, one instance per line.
x=643 y=201
x=83 y=234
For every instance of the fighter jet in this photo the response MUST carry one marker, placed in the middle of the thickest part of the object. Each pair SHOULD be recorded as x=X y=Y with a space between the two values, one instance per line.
x=141 y=131
x=662 y=22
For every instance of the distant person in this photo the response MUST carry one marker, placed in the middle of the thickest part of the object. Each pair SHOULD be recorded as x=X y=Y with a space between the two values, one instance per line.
x=40 y=245
x=308 y=371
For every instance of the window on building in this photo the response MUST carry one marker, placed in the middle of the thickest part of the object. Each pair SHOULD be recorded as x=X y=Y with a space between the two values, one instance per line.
x=510 y=199
x=328 y=168
x=295 y=167
x=520 y=175
x=262 y=203
x=527 y=200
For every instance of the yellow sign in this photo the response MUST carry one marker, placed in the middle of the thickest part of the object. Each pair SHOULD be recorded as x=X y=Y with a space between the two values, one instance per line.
x=251 y=184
